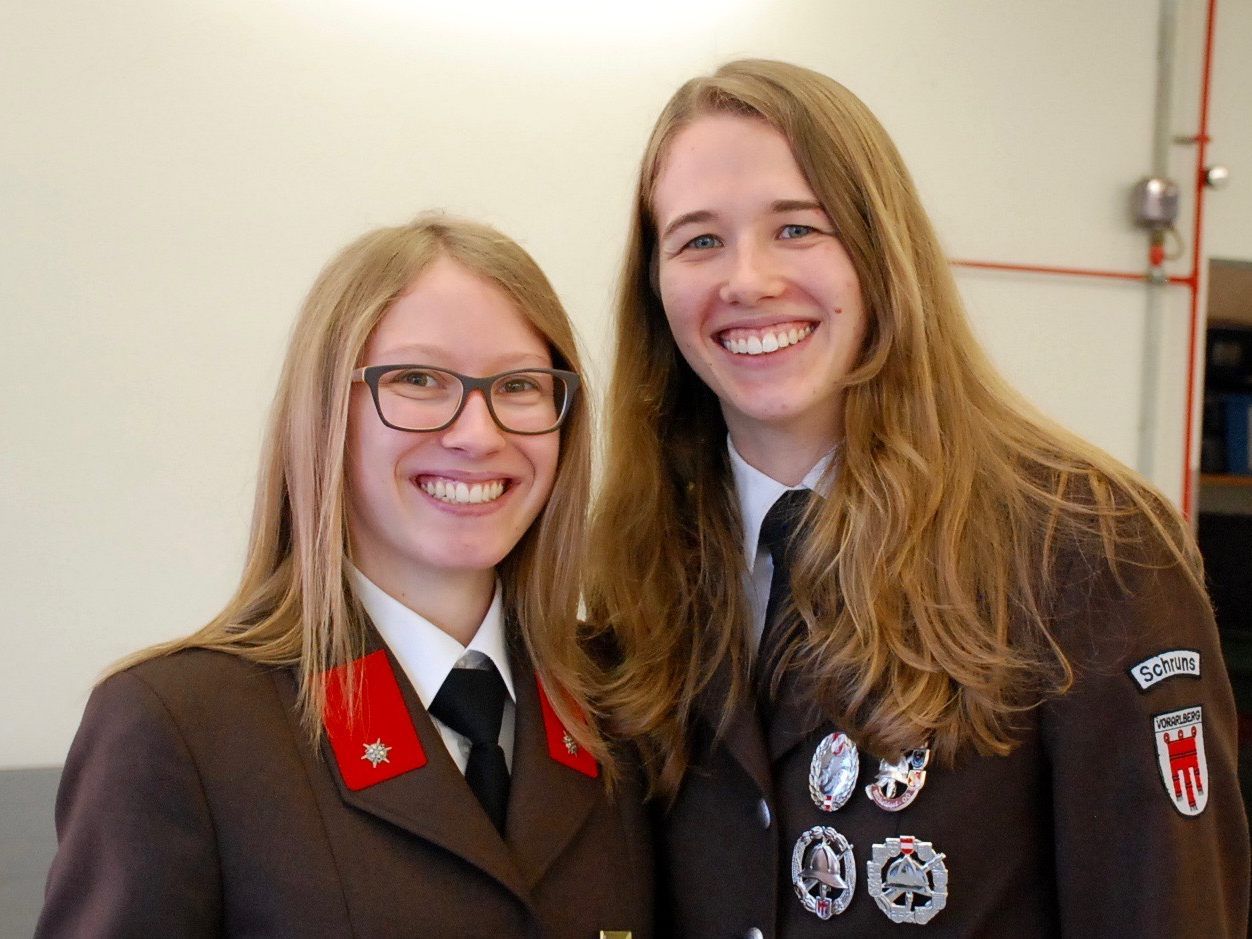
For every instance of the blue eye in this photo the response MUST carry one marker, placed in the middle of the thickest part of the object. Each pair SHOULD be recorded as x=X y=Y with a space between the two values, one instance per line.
x=796 y=231
x=704 y=242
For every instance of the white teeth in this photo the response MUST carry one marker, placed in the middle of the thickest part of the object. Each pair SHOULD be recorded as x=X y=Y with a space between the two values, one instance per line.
x=770 y=342
x=456 y=493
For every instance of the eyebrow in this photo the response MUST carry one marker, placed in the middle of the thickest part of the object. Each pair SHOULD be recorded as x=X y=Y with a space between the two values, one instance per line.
x=688 y=218
x=704 y=215
x=418 y=354
x=796 y=205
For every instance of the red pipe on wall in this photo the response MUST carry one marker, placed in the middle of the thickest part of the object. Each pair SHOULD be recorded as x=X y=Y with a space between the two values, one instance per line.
x=1067 y=271
x=1202 y=140
x=1191 y=281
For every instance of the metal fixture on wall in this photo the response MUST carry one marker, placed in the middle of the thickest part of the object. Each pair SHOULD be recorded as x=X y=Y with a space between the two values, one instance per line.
x=1155 y=200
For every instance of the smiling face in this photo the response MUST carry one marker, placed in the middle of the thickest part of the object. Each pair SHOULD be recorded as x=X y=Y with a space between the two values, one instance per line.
x=426 y=507
x=761 y=297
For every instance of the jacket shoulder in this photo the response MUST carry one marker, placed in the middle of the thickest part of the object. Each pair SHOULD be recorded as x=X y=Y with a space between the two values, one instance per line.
x=197 y=675
x=212 y=701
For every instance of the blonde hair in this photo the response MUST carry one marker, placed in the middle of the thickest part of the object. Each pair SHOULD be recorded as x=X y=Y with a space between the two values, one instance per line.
x=293 y=606
x=924 y=585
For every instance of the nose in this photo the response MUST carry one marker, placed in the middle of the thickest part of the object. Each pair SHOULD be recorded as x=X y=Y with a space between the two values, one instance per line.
x=753 y=276
x=474 y=432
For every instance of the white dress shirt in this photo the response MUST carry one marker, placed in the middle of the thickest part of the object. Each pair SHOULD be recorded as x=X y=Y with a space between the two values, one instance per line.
x=757 y=494
x=427 y=654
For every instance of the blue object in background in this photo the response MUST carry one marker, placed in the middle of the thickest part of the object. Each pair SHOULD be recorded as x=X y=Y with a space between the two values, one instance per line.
x=1238 y=434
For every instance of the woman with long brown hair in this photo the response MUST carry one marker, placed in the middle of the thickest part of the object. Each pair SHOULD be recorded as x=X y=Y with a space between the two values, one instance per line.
x=383 y=732
x=895 y=647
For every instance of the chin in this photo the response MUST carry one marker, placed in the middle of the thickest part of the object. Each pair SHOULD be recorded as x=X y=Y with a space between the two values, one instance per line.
x=469 y=560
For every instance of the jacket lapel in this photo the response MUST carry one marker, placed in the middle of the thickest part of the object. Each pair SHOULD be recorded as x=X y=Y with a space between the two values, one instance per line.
x=795 y=717
x=549 y=802
x=743 y=737
x=434 y=802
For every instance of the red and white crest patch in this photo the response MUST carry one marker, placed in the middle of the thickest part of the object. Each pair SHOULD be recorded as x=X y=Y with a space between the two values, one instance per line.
x=1179 y=737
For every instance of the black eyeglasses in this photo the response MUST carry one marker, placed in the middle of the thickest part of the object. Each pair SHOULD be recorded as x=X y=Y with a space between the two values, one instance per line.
x=424 y=398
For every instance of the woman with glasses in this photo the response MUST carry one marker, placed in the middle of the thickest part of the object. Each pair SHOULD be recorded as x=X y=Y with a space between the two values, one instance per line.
x=896 y=648
x=384 y=730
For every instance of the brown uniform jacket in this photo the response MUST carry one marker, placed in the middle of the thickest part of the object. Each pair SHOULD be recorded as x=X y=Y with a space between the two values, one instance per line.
x=1075 y=833
x=192 y=805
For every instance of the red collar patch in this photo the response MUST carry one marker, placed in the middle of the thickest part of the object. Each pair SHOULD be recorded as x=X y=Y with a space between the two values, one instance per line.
x=378 y=742
x=562 y=746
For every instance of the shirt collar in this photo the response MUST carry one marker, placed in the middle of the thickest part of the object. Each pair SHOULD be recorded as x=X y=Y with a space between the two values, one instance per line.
x=758 y=492
x=425 y=652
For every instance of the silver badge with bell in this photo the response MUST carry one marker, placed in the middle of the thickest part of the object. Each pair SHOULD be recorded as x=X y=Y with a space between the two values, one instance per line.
x=823 y=871
x=833 y=772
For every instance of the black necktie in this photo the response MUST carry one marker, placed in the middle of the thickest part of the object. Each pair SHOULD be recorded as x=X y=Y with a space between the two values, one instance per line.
x=778 y=531
x=471 y=702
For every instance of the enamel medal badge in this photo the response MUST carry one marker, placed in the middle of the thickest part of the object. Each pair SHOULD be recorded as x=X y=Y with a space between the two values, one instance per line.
x=898 y=783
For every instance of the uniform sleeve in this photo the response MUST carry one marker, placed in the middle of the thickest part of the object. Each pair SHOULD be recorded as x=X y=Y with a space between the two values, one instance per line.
x=1151 y=836
x=136 y=853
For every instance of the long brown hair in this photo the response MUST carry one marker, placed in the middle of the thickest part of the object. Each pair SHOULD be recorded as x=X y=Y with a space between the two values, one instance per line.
x=923 y=588
x=293 y=606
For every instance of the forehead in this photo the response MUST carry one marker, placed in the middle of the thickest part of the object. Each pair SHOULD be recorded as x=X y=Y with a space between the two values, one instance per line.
x=725 y=159
x=449 y=307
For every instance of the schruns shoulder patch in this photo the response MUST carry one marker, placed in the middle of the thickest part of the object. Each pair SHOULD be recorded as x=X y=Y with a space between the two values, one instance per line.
x=1165 y=665
x=1179 y=737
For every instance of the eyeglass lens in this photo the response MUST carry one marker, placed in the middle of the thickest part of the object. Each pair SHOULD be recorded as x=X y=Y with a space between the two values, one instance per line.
x=426 y=398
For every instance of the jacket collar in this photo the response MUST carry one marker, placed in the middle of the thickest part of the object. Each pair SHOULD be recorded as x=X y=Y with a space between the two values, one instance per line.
x=548 y=802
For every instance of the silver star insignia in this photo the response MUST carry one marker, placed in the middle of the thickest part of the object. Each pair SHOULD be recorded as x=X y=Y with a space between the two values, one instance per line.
x=570 y=746
x=376 y=753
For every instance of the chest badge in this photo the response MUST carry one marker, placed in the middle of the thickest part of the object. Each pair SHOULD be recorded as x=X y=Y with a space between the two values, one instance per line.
x=907 y=879
x=823 y=871
x=898 y=783
x=1179 y=739
x=833 y=772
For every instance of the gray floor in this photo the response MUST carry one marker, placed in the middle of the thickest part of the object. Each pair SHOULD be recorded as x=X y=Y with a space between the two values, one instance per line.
x=27 y=843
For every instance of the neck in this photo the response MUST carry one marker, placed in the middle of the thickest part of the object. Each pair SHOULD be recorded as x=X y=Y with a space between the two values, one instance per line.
x=455 y=601
x=783 y=453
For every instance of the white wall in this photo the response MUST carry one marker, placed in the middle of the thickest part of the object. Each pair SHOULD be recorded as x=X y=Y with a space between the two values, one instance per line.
x=1228 y=228
x=173 y=174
